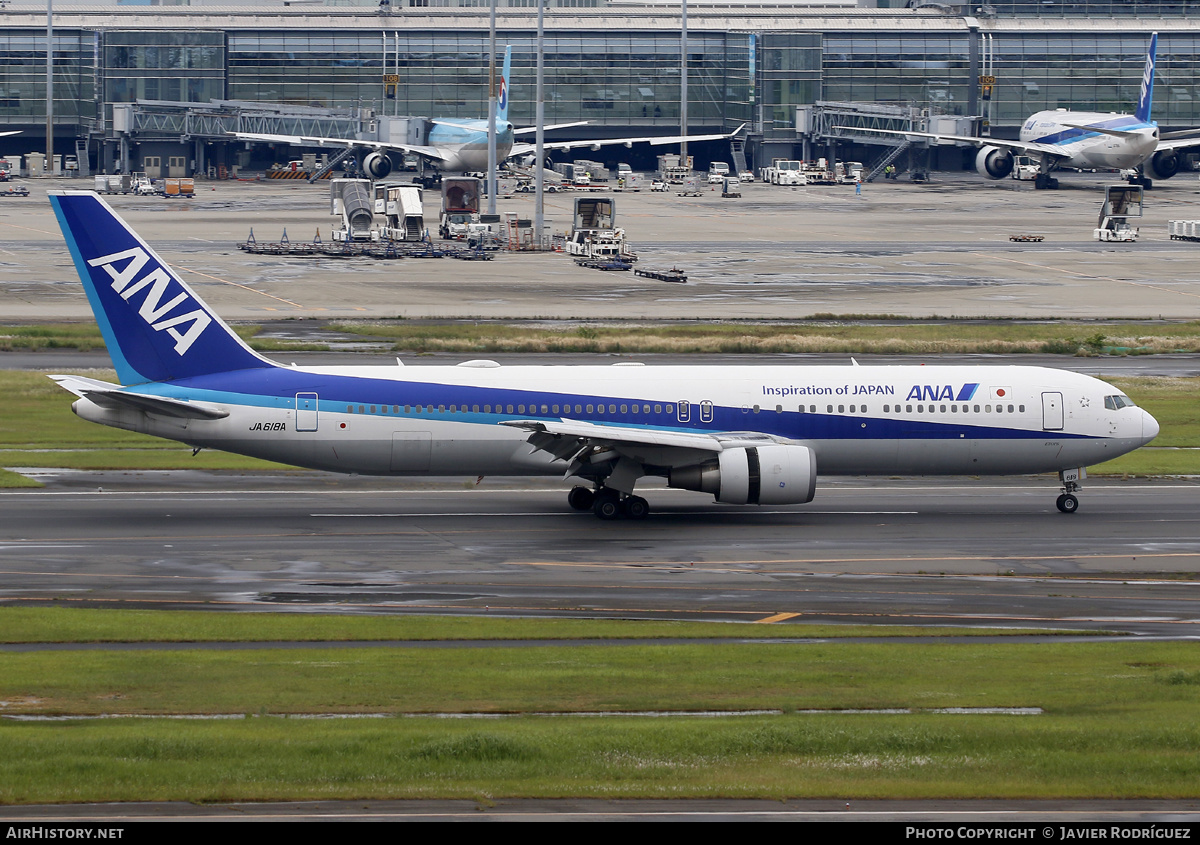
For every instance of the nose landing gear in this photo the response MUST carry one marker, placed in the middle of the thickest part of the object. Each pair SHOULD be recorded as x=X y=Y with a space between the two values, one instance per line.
x=1068 y=502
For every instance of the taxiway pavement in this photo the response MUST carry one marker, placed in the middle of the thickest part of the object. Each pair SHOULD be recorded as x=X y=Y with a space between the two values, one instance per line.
x=776 y=253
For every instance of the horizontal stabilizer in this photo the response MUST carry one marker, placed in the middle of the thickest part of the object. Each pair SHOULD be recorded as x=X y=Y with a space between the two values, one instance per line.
x=112 y=396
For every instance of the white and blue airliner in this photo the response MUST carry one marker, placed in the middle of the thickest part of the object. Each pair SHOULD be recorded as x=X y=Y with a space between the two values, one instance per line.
x=747 y=435
x=460 y=145
x=1058 y=138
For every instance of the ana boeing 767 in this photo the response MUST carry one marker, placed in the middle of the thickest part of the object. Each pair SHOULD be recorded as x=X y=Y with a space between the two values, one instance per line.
x=747 y=435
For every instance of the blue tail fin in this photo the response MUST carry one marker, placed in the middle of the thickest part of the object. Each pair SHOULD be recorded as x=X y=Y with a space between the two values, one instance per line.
x=1146 y=99
x=154 y=325
x=502 y=96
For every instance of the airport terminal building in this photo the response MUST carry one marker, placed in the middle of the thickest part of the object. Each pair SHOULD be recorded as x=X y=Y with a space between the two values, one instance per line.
x=156 y=88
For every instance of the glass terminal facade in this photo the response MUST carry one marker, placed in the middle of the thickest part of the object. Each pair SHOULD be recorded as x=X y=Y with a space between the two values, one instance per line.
x=617 y=69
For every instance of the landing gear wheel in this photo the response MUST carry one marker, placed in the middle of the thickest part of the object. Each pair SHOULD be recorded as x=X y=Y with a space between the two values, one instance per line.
x=607 y=504
x=581 y=498
x=1067 y=503
x=636 y=507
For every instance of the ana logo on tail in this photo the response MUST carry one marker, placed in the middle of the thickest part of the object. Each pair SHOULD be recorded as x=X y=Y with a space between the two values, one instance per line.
x=1146 y=98
x=153 y=310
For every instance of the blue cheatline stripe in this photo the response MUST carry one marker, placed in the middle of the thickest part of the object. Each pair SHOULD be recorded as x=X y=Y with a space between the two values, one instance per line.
x=277 y=389
x=1071 y=135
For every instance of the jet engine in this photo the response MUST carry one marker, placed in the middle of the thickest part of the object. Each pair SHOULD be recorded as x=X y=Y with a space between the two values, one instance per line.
x=377 y=165
x=994 y=163
x=1163 y=164
x=774 y=474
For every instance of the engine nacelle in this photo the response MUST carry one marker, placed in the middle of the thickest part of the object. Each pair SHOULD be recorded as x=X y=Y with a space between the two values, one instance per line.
x=774 y=474
x=994 y=163
x=377 y=165
x=1163 y=164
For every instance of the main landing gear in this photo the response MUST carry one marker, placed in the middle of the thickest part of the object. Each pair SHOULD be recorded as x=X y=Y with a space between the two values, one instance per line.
x=1068 y=502
x=607 y=503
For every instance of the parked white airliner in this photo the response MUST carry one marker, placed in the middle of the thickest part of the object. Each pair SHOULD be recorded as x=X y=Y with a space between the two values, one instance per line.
x=745 y=434
x=1083 y=140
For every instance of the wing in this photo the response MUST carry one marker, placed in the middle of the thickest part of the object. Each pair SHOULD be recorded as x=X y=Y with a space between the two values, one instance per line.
x=653 y=140
x=113 y=396
x=527 y=129
x=1177 y=144
x=316 y=141
x=584 y=446
x=1026 y=147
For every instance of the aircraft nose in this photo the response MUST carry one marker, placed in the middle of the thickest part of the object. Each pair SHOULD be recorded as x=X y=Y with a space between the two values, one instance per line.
x=1149 y=427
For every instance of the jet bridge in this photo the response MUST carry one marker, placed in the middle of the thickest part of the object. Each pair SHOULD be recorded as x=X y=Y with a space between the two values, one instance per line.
x=868 y=124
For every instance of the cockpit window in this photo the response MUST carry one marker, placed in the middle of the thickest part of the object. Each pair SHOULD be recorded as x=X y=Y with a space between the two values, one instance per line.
x=1116 y=403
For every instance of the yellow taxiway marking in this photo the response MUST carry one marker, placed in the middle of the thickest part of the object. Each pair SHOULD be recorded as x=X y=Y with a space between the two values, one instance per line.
x=778 y=617
x=243 y=287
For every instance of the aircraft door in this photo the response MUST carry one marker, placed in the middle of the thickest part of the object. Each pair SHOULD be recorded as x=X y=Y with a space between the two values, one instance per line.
x=411 y=451
x=306 y=412
x=1052 y=412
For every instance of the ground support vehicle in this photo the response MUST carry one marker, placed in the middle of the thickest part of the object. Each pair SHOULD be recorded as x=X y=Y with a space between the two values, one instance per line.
x=460 y=206
x=672 y=275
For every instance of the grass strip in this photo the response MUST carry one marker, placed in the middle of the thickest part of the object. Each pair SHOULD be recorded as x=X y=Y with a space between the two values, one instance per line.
x=632 y=677
x=1118 y=721
x=832 y=335
x=829 y=333
x=85 y=337
x=87 y=625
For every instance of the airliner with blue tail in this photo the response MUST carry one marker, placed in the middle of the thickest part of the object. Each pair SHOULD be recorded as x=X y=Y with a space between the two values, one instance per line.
x=1060 y=138
x=747 y=435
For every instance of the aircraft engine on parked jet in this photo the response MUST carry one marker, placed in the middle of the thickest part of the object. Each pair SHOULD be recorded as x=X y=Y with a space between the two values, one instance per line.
x=1164 y=164
x=377 y=165
x=773 y=474
x=994 y=163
